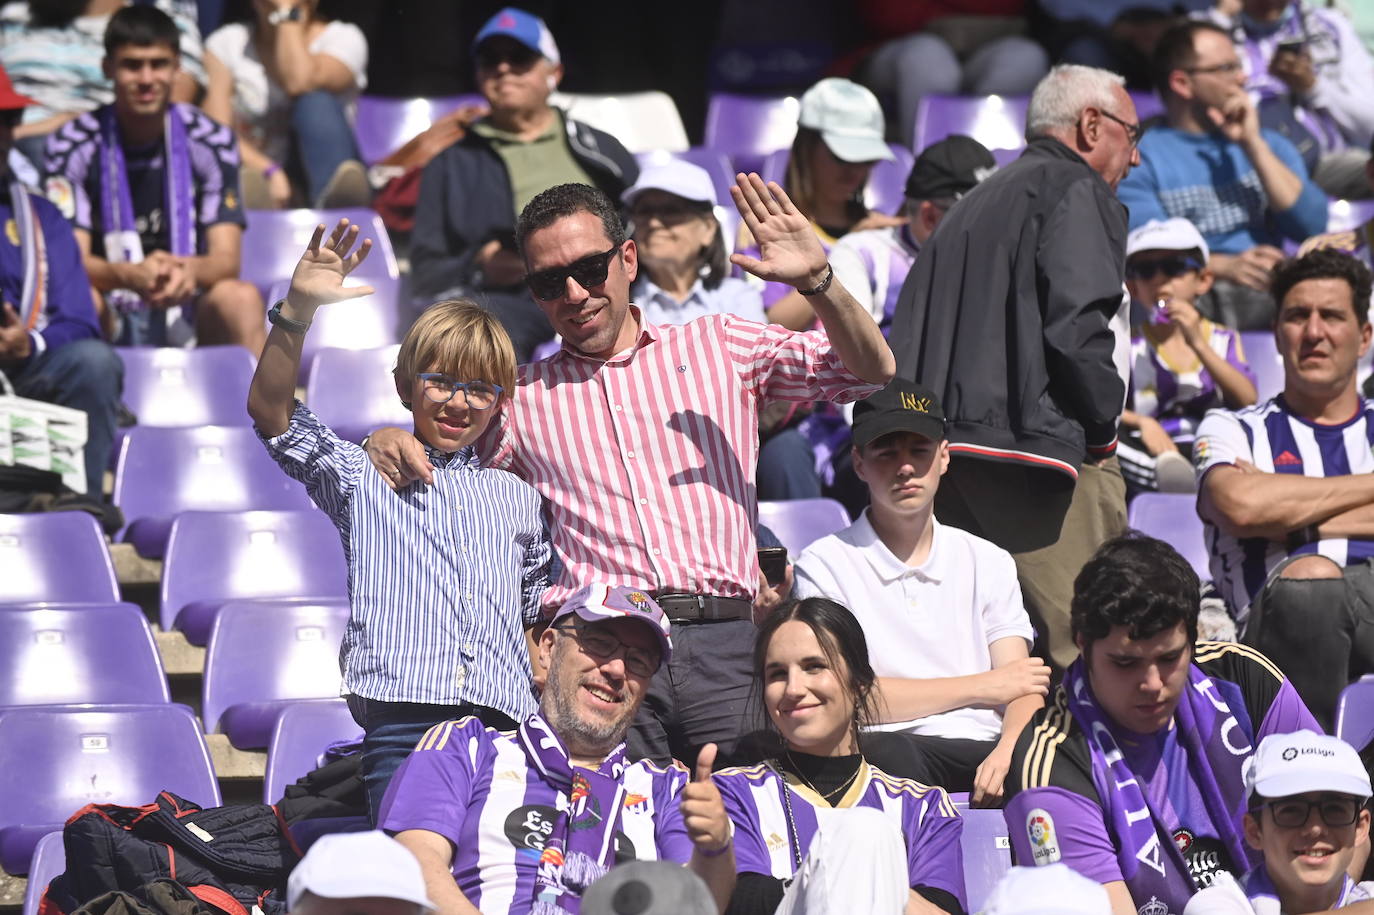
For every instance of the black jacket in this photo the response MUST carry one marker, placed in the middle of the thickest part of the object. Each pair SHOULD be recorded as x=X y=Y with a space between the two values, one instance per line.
x=466 y=201
x=1005 y=313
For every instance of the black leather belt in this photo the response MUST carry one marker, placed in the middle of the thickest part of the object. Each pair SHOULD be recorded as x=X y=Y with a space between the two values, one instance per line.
x=679 y=606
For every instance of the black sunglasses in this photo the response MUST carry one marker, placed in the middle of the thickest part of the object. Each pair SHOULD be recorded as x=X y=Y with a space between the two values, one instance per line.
x=1172 y=267
x=489 y=56
x=1133 y=131
x=590 y=271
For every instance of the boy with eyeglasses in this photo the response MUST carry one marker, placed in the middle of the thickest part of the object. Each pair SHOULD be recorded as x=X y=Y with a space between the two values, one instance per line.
x=1308 y=818
x=1182 y=364
x=443 y=577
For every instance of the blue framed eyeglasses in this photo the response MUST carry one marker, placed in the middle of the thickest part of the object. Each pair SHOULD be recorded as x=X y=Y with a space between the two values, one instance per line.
x=440 y=388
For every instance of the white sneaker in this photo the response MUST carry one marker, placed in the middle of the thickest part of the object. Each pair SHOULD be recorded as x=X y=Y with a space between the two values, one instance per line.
x=347 y=187
x=1174 y=473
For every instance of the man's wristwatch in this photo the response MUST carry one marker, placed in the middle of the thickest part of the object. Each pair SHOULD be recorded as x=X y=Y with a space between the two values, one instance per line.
x=277 y=319
x=279 y=15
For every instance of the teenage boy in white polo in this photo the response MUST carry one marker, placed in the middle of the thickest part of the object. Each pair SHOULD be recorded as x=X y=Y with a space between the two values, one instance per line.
x=933 y=600
x=1307 y=794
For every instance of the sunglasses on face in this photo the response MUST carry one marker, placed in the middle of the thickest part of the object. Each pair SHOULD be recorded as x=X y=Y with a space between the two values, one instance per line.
x=1171 y=267
x=589 y=271
x=1335 y=811
x=518 y=56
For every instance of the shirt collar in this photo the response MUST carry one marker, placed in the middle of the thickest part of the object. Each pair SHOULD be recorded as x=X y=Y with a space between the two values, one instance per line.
x=652 y=292
x=465 y=457
x=648 y=333
x=885 y=563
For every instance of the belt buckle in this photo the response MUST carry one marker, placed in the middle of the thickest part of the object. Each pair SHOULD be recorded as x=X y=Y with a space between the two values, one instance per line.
x=701 y=605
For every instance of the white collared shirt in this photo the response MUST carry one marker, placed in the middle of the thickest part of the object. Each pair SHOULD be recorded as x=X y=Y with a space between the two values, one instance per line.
x=937 y=619
x=732 y=297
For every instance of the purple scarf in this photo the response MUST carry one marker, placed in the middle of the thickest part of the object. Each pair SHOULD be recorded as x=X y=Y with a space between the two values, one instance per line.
x=582 y=845
x=117 y=217
x=34 y=251
x=1154 y=867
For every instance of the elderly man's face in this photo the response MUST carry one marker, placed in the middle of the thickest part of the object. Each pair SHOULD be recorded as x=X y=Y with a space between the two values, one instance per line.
x=513 y=77
x=1116 y=153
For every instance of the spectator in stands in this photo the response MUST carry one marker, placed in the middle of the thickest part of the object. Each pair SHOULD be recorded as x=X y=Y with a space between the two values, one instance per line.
x=1116 y=35
x=1313 y=81
x=1358 y=242
x=643 y=438
x=286 y=82
x=873 y=263
x=152 y=188
x=682 y=248
x=52 y=50
x=472 y=192
x=818 y=822
x=1011 y=316
x=940 y=607
x=1182 y=364
x=1132 y=774
x=50 y=346
x=1242 y=185
x=1285 y=487
x=434 y=633
x=357 y=873
x=561 y=784
x=1307 y=817
x=940 y=48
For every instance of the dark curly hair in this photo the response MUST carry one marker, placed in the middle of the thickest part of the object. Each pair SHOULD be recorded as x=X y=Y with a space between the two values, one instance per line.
x=840 y=637
x=563 y=200
x=1322 y=264
x=1137 y=582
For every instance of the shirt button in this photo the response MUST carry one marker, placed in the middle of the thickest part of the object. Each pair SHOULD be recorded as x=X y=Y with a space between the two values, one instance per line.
x=629 y=454
x=656 y=552
x=643 y=501
x=617 y=408
x=469 y=595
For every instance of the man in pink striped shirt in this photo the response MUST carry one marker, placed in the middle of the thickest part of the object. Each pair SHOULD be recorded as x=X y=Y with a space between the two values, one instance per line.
x=643 y=438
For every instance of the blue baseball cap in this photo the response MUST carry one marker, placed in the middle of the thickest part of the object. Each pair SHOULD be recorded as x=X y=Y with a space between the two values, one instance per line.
x=526 y=28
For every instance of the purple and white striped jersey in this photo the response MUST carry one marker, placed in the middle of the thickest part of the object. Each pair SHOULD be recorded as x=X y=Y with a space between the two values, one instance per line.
x=931 y=827
x=1179 y=396
x=873 y=265
x=1277 y=441
x=475 y=786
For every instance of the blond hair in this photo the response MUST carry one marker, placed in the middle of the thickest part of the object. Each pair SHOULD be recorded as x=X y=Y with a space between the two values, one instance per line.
x=460 y=339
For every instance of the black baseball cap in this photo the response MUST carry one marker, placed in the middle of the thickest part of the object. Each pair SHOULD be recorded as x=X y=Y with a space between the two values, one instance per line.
x=902 y=406
x=950 y=168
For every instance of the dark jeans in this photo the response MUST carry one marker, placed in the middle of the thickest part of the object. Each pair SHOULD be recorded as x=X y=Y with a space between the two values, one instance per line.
x=392 y=729
x=701 y=696
x=324 y=138
x=85 y=375
x=949 y=762
x=1319 y=631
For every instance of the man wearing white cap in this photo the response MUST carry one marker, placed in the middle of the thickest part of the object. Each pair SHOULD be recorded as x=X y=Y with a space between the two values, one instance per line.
x=1308 y=817
x=527 y=820
x=357 y=873
x=471 y=193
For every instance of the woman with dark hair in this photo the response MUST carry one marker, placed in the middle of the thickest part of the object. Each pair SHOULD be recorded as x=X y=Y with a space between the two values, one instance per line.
x=684 y=267
x=895 y=846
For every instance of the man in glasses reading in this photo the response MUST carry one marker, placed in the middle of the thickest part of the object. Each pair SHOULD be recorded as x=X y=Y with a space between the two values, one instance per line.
x=643 y=438
x=441 y=578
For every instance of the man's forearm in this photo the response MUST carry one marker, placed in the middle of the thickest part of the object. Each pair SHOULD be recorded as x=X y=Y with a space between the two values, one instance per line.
x=1354 y=524
x=209 y=269
x=1018 y=714
x=1280 y=184
x=105 y=275
x=718 y=873
x=440 y=886
x=853 y=334
x=906 y=698
x=1273 y=504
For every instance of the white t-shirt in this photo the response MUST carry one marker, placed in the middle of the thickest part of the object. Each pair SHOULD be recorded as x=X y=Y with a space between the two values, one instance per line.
x=262 y=109
x=933 y=620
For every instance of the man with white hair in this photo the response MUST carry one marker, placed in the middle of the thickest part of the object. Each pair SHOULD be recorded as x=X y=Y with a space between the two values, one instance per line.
x=1013 y=315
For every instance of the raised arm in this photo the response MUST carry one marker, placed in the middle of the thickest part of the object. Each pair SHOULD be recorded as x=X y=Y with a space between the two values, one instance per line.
x=318 y=280
x=790 y=252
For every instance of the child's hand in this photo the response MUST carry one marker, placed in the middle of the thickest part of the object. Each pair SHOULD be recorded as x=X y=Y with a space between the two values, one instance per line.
x=319 y=276
x=1183 y=314
x=1154 y=438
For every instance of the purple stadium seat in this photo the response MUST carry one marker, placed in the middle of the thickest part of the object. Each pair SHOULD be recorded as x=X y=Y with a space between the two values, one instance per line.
x=352 y=391
x=274 y=240
x=168 y=386
x=65 y=654
x=217 y=557
x=1345 y=215
x=1147 y=105
x=163 y=472
x=746 y=128
x=1005 y=157
x=986 y=847
x=384 y=125
x=58 y=759
x=886 y=191
x=1263 y=356
x=302 y=733
x=57 y=557
x=263 y=656
x=1355 y=713
x=1172 y=517
x=366 y=323
x=799 y=522
x=49 y=860
x=996 y=121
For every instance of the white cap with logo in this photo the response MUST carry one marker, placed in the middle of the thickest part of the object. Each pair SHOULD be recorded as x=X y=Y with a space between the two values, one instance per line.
x=1175 y=234
x=675 y=176
x=848 y=118
x=358 y=865
x=1303 y=761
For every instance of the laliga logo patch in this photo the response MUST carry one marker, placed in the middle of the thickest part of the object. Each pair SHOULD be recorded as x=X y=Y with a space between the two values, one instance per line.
x=1043 y=837
x=1292 y=753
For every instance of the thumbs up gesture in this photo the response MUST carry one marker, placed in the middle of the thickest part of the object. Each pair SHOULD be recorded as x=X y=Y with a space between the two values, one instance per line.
x=703 y=811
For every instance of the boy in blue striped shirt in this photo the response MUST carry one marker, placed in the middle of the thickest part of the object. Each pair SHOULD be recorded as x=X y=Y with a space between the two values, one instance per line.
x=443 y=579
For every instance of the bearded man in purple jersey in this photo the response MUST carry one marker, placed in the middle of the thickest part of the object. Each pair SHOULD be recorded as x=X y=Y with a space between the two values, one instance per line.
x=1133 y=772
